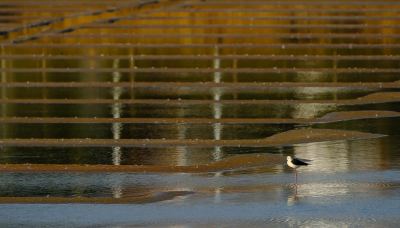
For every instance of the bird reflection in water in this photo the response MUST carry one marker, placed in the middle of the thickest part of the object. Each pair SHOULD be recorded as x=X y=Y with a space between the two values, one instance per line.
x=293 y=197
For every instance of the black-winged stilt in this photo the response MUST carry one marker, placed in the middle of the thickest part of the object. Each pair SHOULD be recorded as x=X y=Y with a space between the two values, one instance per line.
x=295 y=163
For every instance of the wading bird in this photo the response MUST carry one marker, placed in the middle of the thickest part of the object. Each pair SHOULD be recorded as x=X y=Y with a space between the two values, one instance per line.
x=295 y=163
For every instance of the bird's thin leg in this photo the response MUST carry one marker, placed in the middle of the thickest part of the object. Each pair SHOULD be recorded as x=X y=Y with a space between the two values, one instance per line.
x=295 y=171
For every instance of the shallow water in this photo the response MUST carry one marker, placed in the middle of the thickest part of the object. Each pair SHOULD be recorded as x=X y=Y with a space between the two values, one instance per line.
x=354 y=183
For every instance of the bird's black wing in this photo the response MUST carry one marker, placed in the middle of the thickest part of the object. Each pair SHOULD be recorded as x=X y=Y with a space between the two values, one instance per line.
x=298 y=162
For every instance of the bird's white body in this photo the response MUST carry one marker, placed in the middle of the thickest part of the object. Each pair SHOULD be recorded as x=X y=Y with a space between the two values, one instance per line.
x=289 y=163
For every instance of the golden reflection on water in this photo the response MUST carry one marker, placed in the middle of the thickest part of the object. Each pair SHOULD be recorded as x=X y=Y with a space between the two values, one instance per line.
x=340 y=156
x=228 y=40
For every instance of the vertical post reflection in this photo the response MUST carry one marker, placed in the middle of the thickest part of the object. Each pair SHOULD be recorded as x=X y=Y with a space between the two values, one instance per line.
x=217 y=197
x=3 y=73
x=235 y=75
x=182 y=155
x=216 y=65
x=182 y=151
x=335 y=75
x=3 y=93
x=132 y=64
x=116 y=111
x=217 y=136
x=117 y=191
x=217 y=113
x=46 y=130
x=217 y=107
x=116 y=185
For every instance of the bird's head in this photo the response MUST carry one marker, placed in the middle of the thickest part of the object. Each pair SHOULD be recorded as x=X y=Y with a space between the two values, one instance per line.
x=289 y=158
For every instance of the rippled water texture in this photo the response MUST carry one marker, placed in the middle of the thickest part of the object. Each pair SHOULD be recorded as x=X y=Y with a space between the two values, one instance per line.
x=182 y=114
